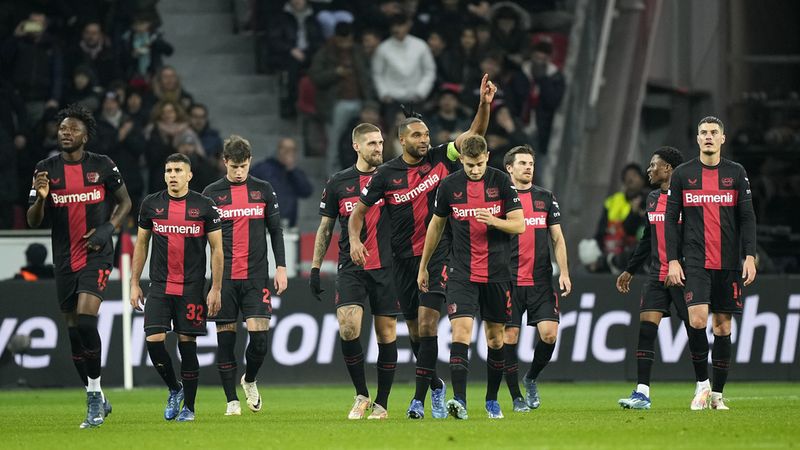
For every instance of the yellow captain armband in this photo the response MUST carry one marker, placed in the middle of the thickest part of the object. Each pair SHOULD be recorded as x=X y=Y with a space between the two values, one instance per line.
x=452 y=151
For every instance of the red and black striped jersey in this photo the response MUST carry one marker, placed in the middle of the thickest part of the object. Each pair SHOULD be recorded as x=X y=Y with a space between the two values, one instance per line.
x=410 y=192
x=530 y=251
x=248 y=209
x=653 y=242
x=718 y=218
x=179 y=228
x=80 y=199
x=339 y=199
x=479 y=253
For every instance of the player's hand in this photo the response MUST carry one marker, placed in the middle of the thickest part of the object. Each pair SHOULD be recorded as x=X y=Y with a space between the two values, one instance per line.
x=482 y=215
x=749 y=270
x=42 y=185
x=96 y=238
x=358 y=253
x=314 y=284
x=137 y=299
x=281 y=280
x=214 y=301
x=624 y=282
x=422 y=278
x=488 y=89
x=675 y=275
x=565 y=284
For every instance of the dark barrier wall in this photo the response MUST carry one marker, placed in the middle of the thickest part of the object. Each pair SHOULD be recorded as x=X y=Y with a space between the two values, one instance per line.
x=597 y=338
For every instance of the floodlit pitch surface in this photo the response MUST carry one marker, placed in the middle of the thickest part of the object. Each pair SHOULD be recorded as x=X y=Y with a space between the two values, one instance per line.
x=764 y=415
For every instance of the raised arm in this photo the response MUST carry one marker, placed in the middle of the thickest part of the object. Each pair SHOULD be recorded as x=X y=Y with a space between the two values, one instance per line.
x=481 y=121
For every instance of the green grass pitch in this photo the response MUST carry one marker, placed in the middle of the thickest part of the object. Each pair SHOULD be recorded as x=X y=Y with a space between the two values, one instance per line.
x=580 y=415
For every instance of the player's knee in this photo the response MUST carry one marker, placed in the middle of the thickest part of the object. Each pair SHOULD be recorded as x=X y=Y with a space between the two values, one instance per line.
x=87 y=328
x=548 y=338
x=697 y=321
x=348 y=331
x=258 y=343
x=722 y=329
x=511 y=335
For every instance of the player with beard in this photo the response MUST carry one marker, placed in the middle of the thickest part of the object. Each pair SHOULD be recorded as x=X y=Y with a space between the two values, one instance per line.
x=355 y=284
x=532 y=276
x=77 y=188
x=656 y=298
x=181 y=222
x=249 y=210
x=407 y=184
x=712 y=196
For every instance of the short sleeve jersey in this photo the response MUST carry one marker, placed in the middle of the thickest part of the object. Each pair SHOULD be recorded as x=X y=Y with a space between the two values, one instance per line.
x=179 y=228
x=530 y=251
x=409 y=192
x=479 y=253
x=80 y=199
x=244 y=209
x=339 y=199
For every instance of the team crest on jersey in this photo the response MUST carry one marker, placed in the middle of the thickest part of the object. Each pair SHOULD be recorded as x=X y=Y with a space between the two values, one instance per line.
x=458 y=194
x=55 y=180
x=92 y=177
x=159 y=211
x=255 y=195
x=452 y=308
x=692 y=181
x=538 y=204
x=194 y=212
x=397 y=180
x=492 y=192
x=222 y=198
x=425 y=168
x=350 y=189
x=652 y=204
x=727 y=181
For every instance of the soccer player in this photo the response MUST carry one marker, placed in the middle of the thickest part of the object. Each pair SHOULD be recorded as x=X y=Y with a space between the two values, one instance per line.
x=532 y=276
x=407 y=184
x=483 y=210
x=75 y=186
x=180 y=221
x=657 y=297
x=248 y=208
x=354 y=284
x=712 y=195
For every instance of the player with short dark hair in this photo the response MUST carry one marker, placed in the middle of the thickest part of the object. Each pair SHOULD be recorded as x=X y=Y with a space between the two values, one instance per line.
x=483 y=211
x=532 y=276
x=656 y=298
x=712 y=196
x=372 y=281
x=76 y=187
x=181 y=222
x=249 y=209
x=407 y=184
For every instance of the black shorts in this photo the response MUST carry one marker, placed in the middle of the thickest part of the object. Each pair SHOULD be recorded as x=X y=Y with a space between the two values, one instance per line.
x=405 y=278
x=354 y=287
x=183 y=314
x=721 y=289
x=492 y=300
x=540 y=302
x=657 y=297
x=92 y=279
x=251 y=297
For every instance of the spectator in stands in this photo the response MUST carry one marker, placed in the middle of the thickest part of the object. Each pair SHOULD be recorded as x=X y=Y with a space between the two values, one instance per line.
x=448 y=119
x=549 y=86
x=505 y=132
x=35 y=269
x=449 y=17
x=83 y=90
x=331 y=13
x=95 y=51
x=290 y=182
x=622 y=218
x=134 y=107
x=341 y=75
x=144 y=49
x=167 y=87
x=467 y=58
x=446 y=60
x=34 y=62
x=509 y=30
x=294 y=37
x=121 y=139
x=168 y=123
x=403 y=69
x=370 y=40
x=513 y=86
x=13 y=142
x=209 y=137
x=378 y=14
x=204 y=169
